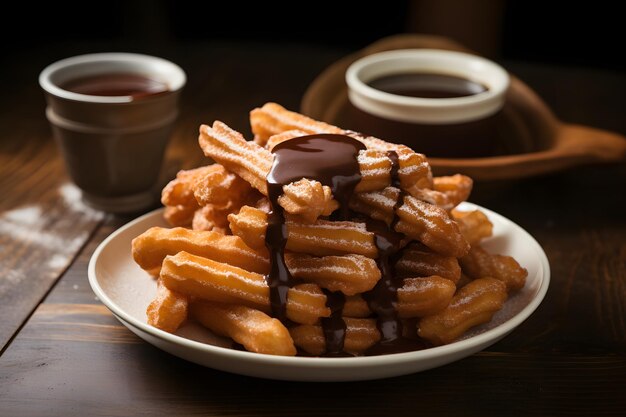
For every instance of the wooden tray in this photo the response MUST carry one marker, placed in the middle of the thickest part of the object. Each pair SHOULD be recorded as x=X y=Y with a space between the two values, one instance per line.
x=536 y=141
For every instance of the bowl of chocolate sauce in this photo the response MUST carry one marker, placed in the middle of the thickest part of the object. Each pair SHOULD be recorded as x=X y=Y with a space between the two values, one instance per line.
x=443 y=103
x=112 y=115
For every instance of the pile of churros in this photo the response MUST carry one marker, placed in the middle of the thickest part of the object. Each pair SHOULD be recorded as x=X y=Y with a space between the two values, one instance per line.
x=317 y=241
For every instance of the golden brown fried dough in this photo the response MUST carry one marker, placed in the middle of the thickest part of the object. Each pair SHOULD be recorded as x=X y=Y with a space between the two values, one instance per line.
x=474 y=225
x=152 y=246
x=253 y=329
x=215 y=281
x=168 y=310
x=474 y=304
x=350 y=274
x=419 y=261
x=480 y=263
x=321 y=238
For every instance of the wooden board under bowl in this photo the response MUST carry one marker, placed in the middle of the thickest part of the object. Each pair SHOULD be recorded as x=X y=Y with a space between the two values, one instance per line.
x=536 y=141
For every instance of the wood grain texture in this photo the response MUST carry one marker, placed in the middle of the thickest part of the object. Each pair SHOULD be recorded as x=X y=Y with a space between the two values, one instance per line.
x=43 y=225
x=568 y=359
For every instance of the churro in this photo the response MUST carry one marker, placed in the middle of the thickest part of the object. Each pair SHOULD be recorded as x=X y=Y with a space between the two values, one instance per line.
x=321 y=238
x=474 y=304
x=474 y=225
x=152 y=246
x=480 y=263
x=419 y=261
x=215 y=281
x=180 y=191
x=253 y=329
x=350 y=274
x=221 y=188
x=168 y=310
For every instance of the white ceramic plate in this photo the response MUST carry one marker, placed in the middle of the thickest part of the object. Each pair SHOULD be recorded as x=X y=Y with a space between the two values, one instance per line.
x=127 y=290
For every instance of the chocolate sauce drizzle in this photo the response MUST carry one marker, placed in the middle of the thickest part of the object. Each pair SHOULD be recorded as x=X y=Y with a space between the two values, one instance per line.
x=331 y=160
x=383 y=297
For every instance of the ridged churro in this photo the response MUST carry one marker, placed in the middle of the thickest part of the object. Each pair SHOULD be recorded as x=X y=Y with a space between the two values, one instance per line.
x=168 y=310
x=152 y=246
x=474 y=225
x=253 y=329
x=321 y=238
x=350 y=274
x=221 y=188
x=480 y=263
x=419 y=220
x=215 y=281
x=474 y=304
x=418 y=261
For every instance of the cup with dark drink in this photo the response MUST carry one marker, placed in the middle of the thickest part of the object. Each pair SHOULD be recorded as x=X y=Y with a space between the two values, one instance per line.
x=112 y=115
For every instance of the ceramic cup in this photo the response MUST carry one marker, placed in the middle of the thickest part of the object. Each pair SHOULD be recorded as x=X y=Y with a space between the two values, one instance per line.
x=113 y=146
x=443 y=127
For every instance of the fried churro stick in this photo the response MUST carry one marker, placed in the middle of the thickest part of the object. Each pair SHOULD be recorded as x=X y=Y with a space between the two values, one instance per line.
x=229 y=148
x=480 y=263
x=432 y=226
x=361 y=334
x=419 y=220
x=180 y=191
x=273 y=119
x=168 y=310
x=221 y=188
x=350 y=274
x=456 y=188
x=215 y=281
x=320 y=238
x=418 y=297
x=378 y=205
x=418 y=261
x=253 y=329
x=152 y=246
x=474 y=225
x=308 y=199
x=448 y=192
x=474 y=304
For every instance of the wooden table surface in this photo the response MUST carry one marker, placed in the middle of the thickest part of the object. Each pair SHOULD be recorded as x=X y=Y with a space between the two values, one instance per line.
x=64 y=354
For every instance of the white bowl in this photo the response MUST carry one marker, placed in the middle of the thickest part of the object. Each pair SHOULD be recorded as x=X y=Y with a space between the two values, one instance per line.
x=127 y=290
x=427 y=110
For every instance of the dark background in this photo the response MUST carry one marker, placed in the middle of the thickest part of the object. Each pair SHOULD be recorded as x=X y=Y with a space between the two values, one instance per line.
x=562 y=33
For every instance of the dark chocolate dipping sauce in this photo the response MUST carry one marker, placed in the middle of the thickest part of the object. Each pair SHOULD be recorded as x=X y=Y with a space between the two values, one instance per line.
x=331 y=160
x=427 y=85
x=382 y=299
x=116 y=84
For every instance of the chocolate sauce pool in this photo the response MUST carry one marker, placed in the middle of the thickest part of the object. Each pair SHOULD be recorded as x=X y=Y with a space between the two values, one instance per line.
x=116 y=84
x=332 y=160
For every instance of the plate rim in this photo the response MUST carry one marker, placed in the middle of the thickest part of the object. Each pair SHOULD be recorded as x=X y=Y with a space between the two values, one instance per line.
x=488 y=337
